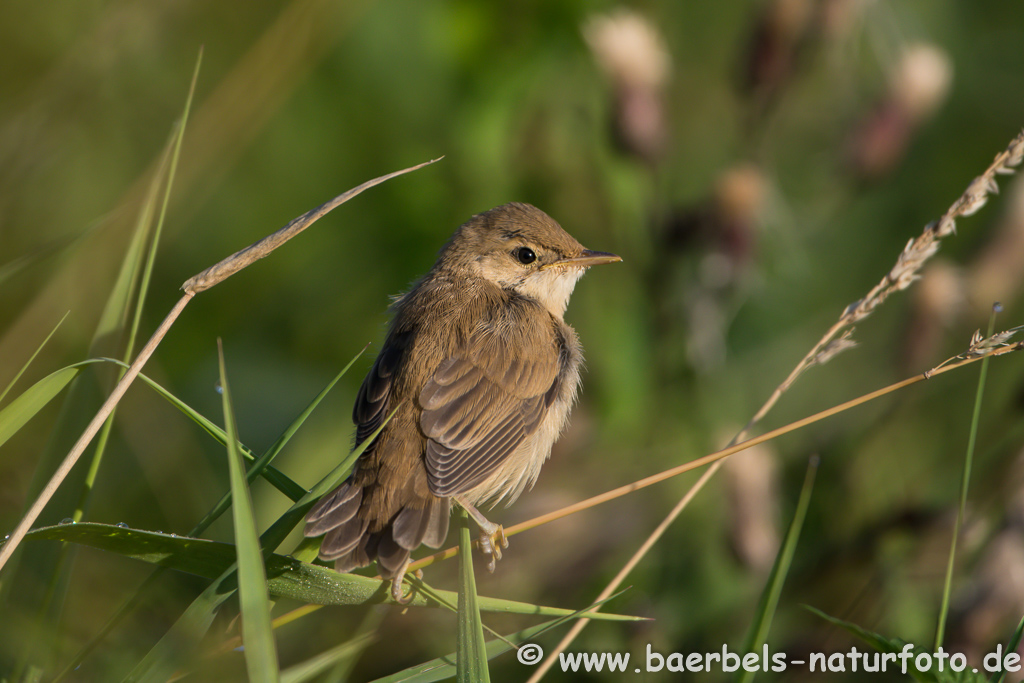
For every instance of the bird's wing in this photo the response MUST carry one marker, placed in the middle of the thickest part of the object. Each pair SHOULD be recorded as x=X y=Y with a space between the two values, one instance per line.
x=372 y=403
x=480 y=405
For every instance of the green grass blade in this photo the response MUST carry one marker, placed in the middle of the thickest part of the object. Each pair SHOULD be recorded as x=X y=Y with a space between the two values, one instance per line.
x=114 y=319
x=182 y=640
x=275 y=477
x=279 y=530
x=881 y=643
x=444 y=667
x=286 y=576
x=471 y=648
x=965 y=482
x=115 y=313
x=770 y=597
x=171 y=174
x=257 y=633
x=35 y=353
x=264 y=461
x=1010 y=647
x=27 y=405
x=255 y=470
x=314 y=666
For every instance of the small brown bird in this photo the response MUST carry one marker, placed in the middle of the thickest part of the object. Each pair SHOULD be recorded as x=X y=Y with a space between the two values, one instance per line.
x=481 y=371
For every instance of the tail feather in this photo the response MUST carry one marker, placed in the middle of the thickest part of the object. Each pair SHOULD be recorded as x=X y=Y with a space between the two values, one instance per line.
x=349 y=543
x=415 y=526
x=391 y=557
x=343 y=540
x=437 y=523
x=334 y=510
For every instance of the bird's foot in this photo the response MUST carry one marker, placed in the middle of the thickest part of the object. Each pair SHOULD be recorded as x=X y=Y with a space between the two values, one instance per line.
x=492 y=541
x=492 y=536
x=396 y=587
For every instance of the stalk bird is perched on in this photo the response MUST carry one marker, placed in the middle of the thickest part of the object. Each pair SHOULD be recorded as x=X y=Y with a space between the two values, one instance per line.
x=481 y=371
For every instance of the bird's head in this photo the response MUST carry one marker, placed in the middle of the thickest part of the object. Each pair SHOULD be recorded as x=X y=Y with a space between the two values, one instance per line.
x=519 y=247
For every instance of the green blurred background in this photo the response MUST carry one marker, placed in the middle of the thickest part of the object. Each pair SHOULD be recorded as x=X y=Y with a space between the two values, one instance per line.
x=758 y=165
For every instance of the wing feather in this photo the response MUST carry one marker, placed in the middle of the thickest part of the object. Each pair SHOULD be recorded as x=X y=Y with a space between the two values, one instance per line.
x=480 y=406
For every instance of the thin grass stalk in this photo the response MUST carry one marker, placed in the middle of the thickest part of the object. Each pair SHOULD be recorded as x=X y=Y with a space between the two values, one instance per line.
x=140 y=299
x=838 y=338
x=53 y=599
x=31 y=358
x=773 y=588
x=208 y=278
x=965 y=482
x=257 y=467
x=713 y=458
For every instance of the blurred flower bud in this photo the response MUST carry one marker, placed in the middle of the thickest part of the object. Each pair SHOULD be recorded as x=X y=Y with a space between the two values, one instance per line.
x=918 y=84
x=771 y=56
x=738 y=199
x=997 y=273
x=727 y=221
x=752 y=483
x=632 y=55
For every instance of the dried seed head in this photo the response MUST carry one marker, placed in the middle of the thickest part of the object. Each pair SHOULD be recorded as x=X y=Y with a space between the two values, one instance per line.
x=835 y=347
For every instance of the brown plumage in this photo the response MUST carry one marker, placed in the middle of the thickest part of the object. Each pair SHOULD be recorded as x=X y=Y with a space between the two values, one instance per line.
x=483 y=372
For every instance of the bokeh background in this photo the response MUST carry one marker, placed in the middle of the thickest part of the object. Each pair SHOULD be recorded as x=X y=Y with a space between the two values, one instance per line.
x=758 y=165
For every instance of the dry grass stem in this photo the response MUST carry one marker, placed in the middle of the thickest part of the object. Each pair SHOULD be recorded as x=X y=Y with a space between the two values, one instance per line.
x=90 y=431
x=839 y=338
x=208 y=278
x=908 y=265
x=981 y=346
x=240 y=259
x=952 y=364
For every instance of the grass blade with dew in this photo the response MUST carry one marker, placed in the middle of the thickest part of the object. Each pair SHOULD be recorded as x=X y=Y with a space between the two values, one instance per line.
x=965 y=482
x=31 y=358
x=257 y=633
x=286 y=576
x=259 y=467
x=758 y=635
x=471 y=648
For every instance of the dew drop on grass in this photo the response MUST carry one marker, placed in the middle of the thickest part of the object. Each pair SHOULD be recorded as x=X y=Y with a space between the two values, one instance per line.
x=67 y=520
x=122 y=525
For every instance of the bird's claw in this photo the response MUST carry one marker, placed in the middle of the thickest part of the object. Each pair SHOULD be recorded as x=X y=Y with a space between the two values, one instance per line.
x=491 y=543
x=397 y=581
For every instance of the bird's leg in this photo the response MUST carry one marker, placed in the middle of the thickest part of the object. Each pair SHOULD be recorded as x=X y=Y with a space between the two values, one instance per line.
x=492 y=536
x=396 y=586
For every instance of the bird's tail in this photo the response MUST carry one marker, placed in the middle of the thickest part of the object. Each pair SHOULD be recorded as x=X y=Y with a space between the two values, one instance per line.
x=345 y=524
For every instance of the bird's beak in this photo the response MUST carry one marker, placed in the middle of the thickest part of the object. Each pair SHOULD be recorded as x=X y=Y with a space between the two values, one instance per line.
x=586 y=259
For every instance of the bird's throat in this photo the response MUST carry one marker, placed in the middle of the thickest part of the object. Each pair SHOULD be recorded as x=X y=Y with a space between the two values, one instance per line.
x=551 y=287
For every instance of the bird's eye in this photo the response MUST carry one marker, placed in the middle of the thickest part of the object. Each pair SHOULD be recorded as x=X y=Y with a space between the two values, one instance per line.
x=524 y=255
